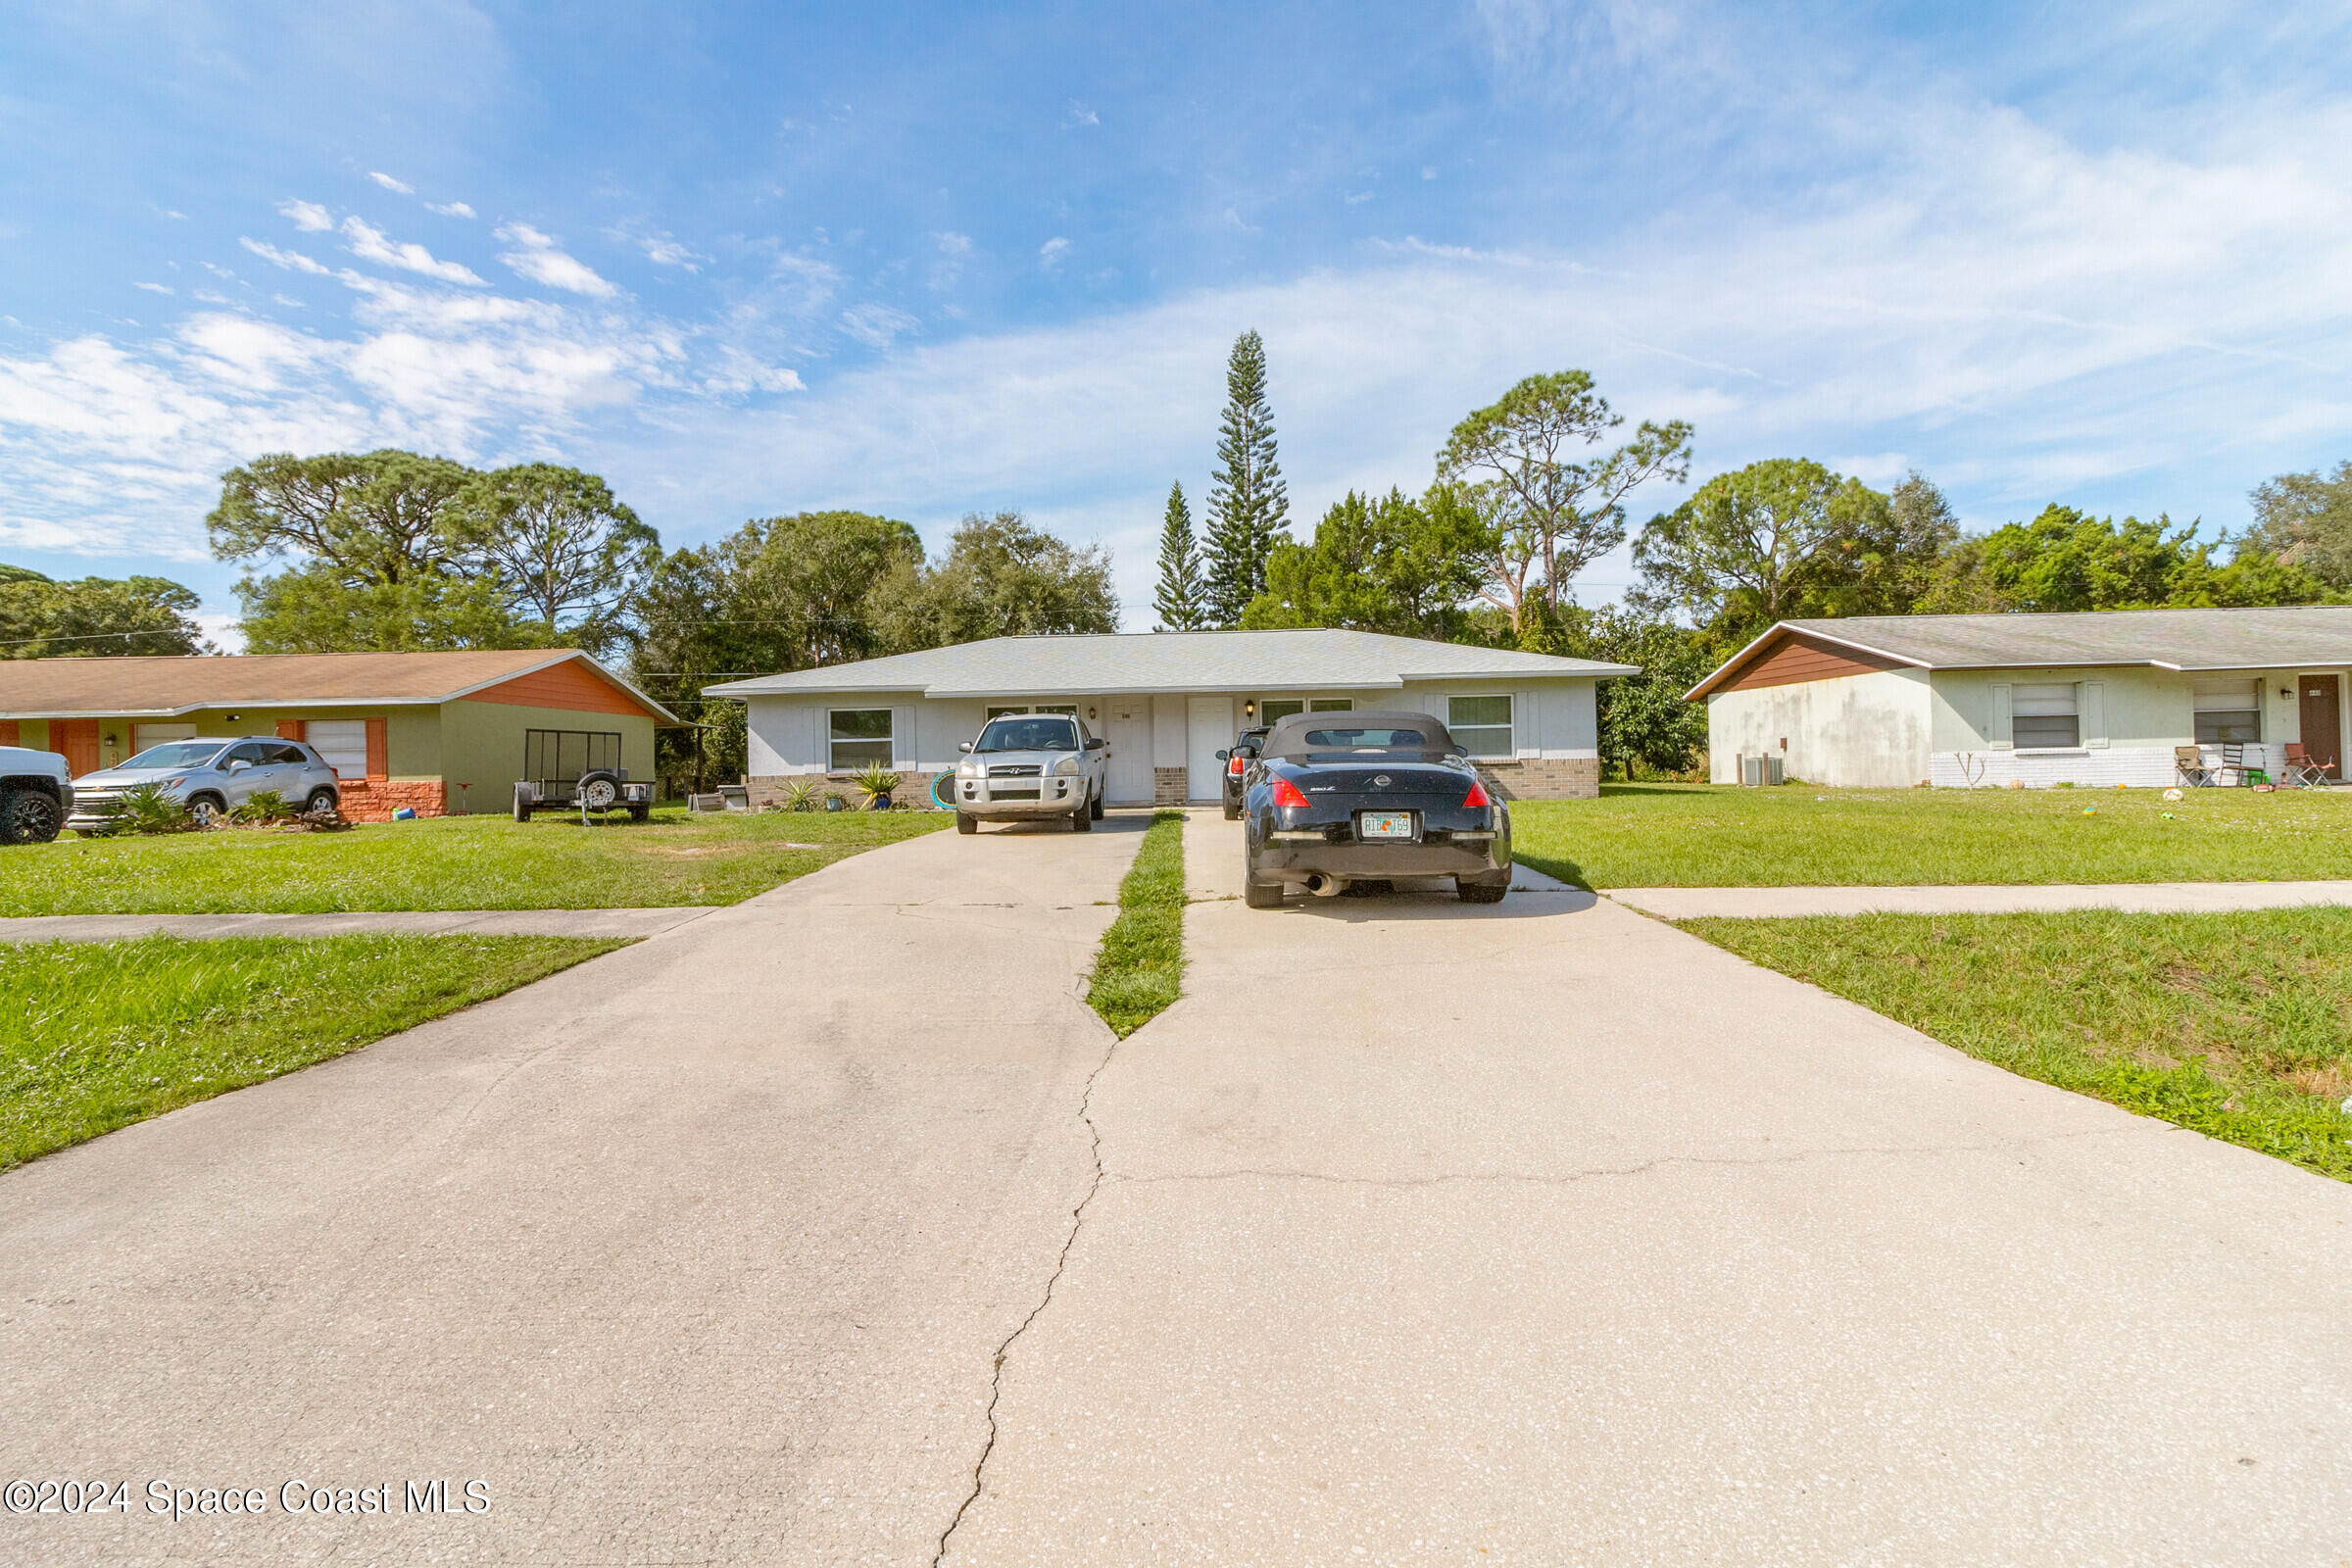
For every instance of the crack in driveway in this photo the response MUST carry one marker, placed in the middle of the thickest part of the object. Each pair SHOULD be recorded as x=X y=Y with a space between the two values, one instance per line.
x=1643 y=1167
x=996 y=1374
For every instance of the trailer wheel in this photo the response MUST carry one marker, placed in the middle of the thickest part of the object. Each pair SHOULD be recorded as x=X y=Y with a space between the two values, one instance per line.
x=600 y=791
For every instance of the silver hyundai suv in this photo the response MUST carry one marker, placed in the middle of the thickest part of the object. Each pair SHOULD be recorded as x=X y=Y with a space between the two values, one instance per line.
x=1030 y=765
x=209 y=777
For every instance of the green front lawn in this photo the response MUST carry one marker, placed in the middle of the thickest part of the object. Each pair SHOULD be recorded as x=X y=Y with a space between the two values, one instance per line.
x=1702 y=835
x=453 y=863
x=2236 y=1025
x=97 y=1035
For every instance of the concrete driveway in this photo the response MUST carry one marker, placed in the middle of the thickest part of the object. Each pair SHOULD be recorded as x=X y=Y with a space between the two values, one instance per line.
x=1415 y=1233
x=700 y=1253
x=1546 y=1234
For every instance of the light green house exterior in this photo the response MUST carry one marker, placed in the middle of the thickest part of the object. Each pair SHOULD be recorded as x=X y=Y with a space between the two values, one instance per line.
x=437 y=732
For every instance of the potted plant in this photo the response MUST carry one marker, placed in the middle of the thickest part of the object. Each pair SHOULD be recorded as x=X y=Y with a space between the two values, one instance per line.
x=875 y=782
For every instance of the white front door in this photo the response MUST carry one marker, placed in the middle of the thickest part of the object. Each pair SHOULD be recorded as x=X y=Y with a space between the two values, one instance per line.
x=1129 y=737
x=1207 y=729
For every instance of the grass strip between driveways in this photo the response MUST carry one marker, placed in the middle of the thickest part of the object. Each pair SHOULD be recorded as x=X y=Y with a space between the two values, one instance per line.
x=1140 y=969
x=450 y=862
x=97 y=1035
x=1799 y=835
x=2238 y=1025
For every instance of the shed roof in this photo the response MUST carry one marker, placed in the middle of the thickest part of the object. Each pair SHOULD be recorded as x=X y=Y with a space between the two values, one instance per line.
x=1123 y=662
x=109 y=687
x=2165 y=639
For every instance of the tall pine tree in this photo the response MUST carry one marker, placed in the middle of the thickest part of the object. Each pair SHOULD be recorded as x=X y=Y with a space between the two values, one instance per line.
x=1179 y=597
x=1248 y=505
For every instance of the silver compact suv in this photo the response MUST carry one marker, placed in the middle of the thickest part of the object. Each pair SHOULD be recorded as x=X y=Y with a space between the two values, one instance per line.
x=209 y=777
x=1026 y=766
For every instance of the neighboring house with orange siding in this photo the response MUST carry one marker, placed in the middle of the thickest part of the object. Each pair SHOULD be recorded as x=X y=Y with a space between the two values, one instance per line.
x=443 y=732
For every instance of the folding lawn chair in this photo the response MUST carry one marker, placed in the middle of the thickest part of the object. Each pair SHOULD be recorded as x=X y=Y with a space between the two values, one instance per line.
x=2189 y=763
x=2303 y=769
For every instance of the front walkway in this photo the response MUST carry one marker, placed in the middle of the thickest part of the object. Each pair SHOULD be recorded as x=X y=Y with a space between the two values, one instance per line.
x=2142 y=898
x=404 y=922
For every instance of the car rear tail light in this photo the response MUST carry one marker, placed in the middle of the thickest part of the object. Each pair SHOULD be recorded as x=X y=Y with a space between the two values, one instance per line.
x=1477 y=795
x=1287 y=793
x=1234 y=767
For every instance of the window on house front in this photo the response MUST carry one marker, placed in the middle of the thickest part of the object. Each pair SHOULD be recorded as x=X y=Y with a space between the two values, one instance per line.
x=1482 y=724
x=1331 y=705
x=2229 y=712
x=1275 y=709
x=860 y=736
x=2044 y=718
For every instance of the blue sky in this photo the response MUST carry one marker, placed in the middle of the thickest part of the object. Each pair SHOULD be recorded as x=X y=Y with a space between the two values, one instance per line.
x=745 y=260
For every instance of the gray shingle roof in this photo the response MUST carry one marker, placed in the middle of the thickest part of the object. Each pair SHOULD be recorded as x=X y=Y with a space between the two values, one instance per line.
x=1171 y=661
x=2175 y=639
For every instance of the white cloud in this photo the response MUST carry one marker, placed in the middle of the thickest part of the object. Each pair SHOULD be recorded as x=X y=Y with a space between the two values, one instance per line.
x=309 y=217
x=389 y=183
x=1050 y=253
x=449 y=209
x=662 y=251
x=1080 y=115
x=542 y=261
x=878 y=326
x=291 y=261
x=370 y=244
x=1975 y=315
x=1416 y=245
x=154 y=288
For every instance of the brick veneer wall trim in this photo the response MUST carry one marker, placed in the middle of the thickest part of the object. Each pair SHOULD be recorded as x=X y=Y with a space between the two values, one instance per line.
x=374 y=800
x=1543 y=778
x=1168 y=786
x=913 y=792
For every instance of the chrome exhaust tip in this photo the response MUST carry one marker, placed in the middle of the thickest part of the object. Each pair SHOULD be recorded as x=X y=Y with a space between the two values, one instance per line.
x=1323 y=887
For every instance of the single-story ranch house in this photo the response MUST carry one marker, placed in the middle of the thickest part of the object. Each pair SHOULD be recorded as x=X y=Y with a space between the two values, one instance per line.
x=2096 y=699
x=442 y=732
x=1167 y=702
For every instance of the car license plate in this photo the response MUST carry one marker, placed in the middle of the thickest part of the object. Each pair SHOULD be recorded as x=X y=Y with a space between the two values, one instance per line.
x=1385 y=825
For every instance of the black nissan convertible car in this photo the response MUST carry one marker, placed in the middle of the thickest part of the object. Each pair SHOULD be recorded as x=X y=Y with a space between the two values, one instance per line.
x=1337 y=798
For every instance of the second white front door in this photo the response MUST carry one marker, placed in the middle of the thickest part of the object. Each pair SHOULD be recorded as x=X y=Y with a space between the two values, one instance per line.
x=1130 y=735
x=1207 y=729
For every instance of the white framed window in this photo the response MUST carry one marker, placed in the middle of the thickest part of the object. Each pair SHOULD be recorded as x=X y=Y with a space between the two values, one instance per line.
x=2229 y=712
x=997 y=710
x=2045 y=717
x=1276 y=709
x=1482 y=724
x=1332 y=705
x=859 y=736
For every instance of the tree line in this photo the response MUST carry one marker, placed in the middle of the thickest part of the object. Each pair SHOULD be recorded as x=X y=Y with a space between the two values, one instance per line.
x=1530 y=491
x=395 y=550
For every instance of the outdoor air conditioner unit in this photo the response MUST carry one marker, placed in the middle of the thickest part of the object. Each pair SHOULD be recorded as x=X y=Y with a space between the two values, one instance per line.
x=1762 y=770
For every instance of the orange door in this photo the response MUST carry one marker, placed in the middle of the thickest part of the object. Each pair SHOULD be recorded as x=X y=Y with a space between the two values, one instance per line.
x=80 y=746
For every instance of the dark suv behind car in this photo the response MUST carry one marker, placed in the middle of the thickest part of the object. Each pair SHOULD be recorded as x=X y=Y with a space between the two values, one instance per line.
x=1237 y=767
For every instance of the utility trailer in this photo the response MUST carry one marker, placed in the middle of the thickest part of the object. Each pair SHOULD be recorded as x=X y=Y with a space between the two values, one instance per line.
x=596 y=792
x=569 y=770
